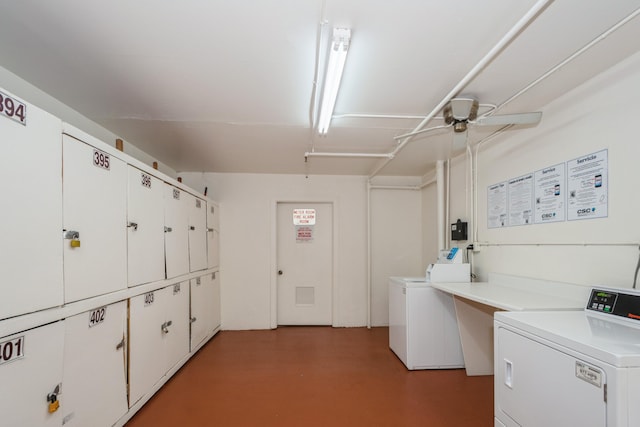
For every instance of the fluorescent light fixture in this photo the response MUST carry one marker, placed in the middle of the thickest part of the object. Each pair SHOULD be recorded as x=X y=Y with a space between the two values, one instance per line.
x=333 y=75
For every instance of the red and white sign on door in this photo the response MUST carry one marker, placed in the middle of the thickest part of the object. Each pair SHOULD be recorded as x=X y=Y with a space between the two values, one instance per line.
x=304 y=217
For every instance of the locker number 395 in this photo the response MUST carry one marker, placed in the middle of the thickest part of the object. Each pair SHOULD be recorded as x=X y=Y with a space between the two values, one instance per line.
x=11 y=350
x=101 y=159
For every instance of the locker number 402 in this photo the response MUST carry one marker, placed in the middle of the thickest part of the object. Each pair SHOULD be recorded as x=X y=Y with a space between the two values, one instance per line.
x=97 y=316
x=11 y=350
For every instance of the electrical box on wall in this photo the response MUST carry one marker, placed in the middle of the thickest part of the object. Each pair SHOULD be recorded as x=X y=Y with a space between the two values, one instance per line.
x=459 y=230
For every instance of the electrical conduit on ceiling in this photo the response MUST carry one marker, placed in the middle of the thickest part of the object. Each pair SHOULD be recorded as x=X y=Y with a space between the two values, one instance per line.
x=473 y=164
x=494 y=52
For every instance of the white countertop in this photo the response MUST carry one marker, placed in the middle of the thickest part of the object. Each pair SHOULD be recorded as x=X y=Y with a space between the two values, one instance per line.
x=517 y=295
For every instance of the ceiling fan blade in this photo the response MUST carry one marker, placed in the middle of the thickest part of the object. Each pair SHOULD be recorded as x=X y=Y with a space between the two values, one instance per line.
x=510 y=119
x=459 y=140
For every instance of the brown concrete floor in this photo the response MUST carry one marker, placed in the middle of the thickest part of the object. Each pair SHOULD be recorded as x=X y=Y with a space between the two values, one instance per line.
x=314 y=376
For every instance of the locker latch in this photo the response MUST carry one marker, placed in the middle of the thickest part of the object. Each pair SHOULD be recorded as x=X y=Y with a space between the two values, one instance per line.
x=73 y=236
x=210 y=230
x=168 y=229
x=165 y=326
x=120 y=344
x=52 y=398
x=193 y=319
x=133 y=225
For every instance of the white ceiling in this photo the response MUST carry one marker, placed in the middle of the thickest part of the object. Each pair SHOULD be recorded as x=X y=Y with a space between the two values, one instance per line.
x=226 y=85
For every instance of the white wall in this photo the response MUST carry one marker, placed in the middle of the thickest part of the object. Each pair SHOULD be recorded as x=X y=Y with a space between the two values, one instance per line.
x=28 y=92
x=396 y=242
x=601 y=114
x=247 y=259
x=429 y=203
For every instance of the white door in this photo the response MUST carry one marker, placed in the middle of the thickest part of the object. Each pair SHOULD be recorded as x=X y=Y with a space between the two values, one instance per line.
x=176 y=236
x=213 y=235
x=199 y=308
x=32 y=216
x=146 y=336
x=176 y=319
x=30 y=370
x=537 y=385
x=305 y=263
x=145 y=224
x=94 y=206
x=94 y=381
x=197 y=234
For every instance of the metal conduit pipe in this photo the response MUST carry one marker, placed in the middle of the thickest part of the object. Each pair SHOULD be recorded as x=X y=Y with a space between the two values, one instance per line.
x=494 y=52
x=328 y=154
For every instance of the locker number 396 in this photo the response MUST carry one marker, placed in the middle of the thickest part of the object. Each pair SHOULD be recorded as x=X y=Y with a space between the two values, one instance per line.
x=11 y=350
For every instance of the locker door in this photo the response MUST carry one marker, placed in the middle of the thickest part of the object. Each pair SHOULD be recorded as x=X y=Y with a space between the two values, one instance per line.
x=176 y=237
x=95 y=387
x=31 y=189
x=146 y=360
x=177 y=318
x=198 y=311
x=216 y=309
x=145 y=224
x=30 y=369
x=95 y=206
x=197 y=234
x=213 y=237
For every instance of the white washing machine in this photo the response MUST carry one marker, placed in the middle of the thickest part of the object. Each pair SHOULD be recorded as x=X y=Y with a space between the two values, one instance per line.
x=570 y=368
x=423 y=330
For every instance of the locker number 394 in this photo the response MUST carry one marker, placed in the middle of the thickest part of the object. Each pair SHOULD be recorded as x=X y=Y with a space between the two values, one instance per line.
x=13 y=109
x=11 y=350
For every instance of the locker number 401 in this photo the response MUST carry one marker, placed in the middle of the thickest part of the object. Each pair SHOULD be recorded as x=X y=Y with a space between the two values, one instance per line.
x=11 y=349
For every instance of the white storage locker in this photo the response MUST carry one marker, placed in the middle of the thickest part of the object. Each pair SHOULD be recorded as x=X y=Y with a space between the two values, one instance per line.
x=216 y=312
x=158 y=336
x=176 y=236
x=177 y=317
x=199 y=310
x=31 y=377
x=205 y=307
x=94 y=379
x=197 y=234
x=31 y=185
x=94 y=221
x=146 y=335
x=145 y=224
x=213 y=235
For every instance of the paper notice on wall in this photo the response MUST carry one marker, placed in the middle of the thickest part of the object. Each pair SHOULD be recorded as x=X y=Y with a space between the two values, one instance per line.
x=497 y=205
x=520 y=200
x=587 y=186
x=550 y=194
x=304 y=217
x=304 y=233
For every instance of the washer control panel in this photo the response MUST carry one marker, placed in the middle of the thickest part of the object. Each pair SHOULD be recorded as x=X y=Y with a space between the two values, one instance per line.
x=615 y=302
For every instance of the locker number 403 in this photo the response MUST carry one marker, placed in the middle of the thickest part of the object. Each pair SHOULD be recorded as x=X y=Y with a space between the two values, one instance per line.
x=11 y=349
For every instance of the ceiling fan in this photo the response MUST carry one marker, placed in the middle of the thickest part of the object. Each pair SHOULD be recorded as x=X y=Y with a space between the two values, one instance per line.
x=462 y=111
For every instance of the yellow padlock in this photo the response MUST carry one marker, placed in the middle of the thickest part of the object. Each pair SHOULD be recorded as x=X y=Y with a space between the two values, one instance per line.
x=75 y=243
x=53 y=406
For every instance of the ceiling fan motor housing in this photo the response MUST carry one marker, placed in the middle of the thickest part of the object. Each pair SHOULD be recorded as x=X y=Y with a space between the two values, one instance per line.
x=459 y=111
